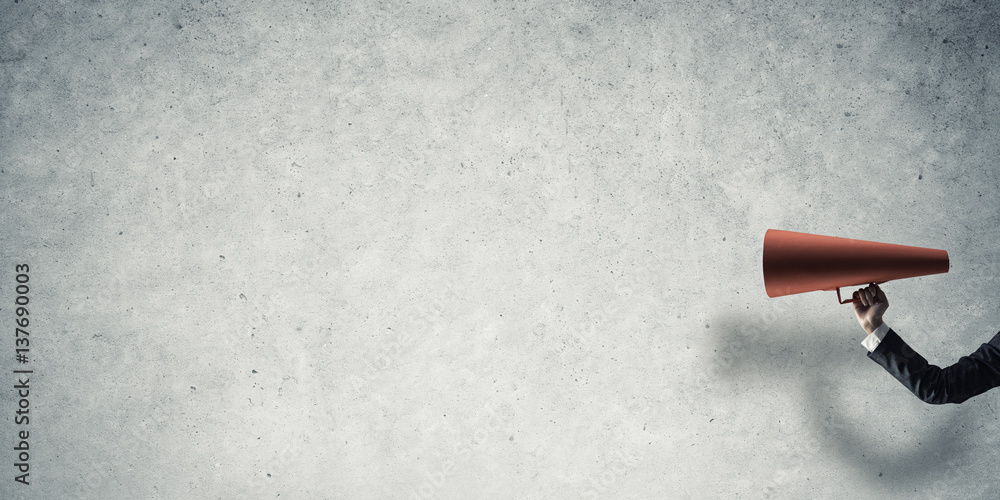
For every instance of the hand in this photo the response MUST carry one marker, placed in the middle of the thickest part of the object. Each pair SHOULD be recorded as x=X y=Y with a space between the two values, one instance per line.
x=870 y=307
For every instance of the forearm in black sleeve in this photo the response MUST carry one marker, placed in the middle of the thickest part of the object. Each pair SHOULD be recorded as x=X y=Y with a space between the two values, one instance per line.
x=971 y=375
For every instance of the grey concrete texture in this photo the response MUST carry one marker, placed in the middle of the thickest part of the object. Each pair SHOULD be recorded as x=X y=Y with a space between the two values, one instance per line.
x=489 y=249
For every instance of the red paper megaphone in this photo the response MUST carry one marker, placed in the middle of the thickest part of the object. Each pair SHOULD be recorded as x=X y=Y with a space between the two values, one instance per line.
x=801 y=262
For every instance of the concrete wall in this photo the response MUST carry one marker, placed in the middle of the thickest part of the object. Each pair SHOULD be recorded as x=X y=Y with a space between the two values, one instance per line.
x=488 y=249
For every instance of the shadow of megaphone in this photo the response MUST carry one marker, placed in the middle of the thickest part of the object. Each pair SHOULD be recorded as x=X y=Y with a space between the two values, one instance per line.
x=812 y=363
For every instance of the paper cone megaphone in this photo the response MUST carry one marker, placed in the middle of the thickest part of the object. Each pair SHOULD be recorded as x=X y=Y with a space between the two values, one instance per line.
x=801 y=262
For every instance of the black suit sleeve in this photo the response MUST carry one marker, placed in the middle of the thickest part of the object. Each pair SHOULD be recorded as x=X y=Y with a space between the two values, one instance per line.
x=970 y=376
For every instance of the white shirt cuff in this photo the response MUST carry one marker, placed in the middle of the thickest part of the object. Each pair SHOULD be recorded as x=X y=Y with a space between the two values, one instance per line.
x=875 y=338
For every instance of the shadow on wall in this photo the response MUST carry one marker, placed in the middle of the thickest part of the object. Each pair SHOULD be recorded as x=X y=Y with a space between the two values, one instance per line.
x=821 y=366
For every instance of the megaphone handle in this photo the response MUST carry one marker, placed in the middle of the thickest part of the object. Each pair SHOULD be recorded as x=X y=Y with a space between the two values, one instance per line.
x=848 y=301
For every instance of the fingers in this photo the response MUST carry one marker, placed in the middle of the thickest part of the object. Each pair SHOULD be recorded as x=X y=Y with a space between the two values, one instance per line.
x=880 y=295
x=876 y=293
x=870 y=295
